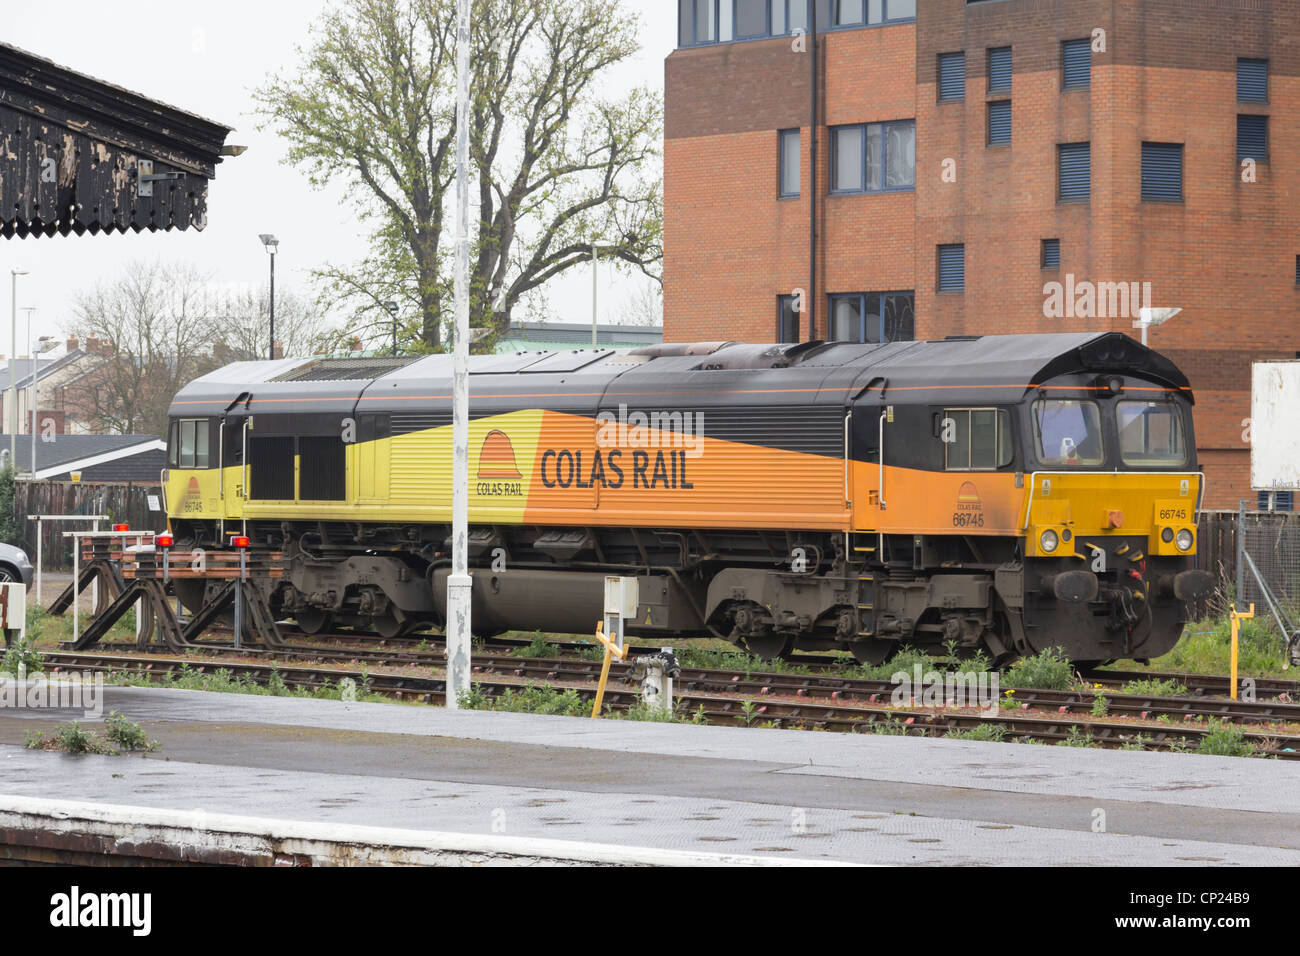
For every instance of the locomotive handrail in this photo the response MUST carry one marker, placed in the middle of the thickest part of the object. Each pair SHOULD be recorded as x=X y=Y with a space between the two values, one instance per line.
x=848 y=500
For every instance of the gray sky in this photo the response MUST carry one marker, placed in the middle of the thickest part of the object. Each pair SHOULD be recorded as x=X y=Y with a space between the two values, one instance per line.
x=206 y=58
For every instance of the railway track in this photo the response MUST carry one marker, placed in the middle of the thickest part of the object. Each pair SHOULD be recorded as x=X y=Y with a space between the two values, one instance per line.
x=783 y=700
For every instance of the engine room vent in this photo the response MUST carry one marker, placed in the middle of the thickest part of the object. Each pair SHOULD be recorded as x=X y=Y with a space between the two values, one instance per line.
x=347 y=370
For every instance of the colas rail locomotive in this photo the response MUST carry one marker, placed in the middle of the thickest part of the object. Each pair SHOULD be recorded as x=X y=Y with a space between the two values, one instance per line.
x=1007 y=493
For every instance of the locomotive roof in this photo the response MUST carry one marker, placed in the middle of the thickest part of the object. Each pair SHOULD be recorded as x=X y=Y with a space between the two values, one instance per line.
x=1007 y=364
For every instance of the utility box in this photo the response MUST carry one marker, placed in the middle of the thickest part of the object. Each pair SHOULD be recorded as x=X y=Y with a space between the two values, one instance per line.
x=13 y=609
x=621 y=596
x=1274 y=435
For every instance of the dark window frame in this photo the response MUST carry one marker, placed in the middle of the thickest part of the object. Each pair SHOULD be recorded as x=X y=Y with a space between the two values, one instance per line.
x=1003 y=431
x=884 y=158
x=1261 y=100
x=1147 y=188
x=1010 y=71
x=781 y=301
x=938 y=269
x=200 y=456
x=1061 y=149
x=865 y=316
x=1066 y=47
x=939 y=91
x=780 y=163
x=1043 y=262
x=990 y=141
x=1242 y=153
x=791 y=9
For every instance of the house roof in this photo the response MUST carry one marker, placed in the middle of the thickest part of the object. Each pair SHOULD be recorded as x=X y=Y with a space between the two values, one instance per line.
x=66 y=453
x=74 y=151
x=48 y=366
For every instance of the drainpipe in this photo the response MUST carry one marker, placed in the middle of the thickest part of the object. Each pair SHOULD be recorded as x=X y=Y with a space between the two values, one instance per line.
x=809 y=303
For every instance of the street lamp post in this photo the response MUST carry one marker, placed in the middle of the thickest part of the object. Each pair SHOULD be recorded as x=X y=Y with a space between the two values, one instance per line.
x=13 y=369
x=1148 y=317
x=272 y=246
x=391 y=306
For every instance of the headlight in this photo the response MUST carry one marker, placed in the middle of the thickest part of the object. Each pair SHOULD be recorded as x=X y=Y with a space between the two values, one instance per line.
x=1048 y=541
x=1185 y=540
x=1167 y=535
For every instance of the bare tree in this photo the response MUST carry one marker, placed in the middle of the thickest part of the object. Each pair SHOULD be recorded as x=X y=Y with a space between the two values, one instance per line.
x=151 y=331
x=242 y=325
x=557 y=163
x=645 y=306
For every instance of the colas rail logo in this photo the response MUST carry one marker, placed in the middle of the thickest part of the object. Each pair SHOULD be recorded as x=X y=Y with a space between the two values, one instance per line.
x=970 y=509
x=498 y=475
x=192 y=500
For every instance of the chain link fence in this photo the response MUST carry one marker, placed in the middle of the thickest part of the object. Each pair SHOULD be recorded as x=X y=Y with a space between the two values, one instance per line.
x=1255 y=556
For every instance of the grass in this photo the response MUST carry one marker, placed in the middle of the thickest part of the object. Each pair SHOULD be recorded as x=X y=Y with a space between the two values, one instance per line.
x=989 y=732
x=120 y=736
x=1225 y=740
x=1047 y=670
x=224 y=681
x=1154 y=688
x=1206 y=648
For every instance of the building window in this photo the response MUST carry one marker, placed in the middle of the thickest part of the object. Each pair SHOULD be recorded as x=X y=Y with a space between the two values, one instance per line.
x=1076 y=64
x=1000 y=123
x=1000 y=69
x=1282 y=500
x=980 y=439
x=1074 y=161
x=1051 y=258
x=697 y=22
x=1252 y=81
x=721 y=21
x=952 y=76
x=789 y=162
x=1252 y=138
x=1297 y=276
x=873 y=317
x=787 y=319
x=880 y=157
x=1162 y=172
x=952 y=268
x=751 y=18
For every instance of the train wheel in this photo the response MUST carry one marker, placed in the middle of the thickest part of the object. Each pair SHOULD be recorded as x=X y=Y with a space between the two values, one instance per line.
x=873 y=650
x=387 y=626
x=770 y=646
x=313 y=620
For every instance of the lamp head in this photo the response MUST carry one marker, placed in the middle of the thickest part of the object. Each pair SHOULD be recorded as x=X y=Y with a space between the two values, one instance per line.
x=270 y=242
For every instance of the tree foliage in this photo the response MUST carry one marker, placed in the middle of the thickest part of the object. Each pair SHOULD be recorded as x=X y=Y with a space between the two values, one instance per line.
x=557 y=164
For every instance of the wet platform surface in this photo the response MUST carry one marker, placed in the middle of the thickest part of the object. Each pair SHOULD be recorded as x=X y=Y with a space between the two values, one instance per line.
x=793 y=794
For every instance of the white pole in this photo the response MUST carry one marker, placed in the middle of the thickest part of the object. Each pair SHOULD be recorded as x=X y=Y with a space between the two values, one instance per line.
x=39 y=545
x=76 y=591
x=459 y=583
x=595 y=258
x=13 y=369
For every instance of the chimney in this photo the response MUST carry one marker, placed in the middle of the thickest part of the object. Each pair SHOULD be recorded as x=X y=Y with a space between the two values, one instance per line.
x=354 y=345
x=277 y=350
x=73 y=344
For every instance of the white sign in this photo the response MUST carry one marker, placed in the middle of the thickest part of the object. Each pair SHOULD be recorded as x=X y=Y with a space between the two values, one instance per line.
x=1274 y=438
x=154 y=504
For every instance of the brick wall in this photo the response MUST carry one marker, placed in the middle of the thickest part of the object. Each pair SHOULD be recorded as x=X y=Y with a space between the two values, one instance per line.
x=1225 y=255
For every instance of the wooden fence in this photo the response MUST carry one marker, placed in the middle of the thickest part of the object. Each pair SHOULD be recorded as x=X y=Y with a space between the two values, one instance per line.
x=126 y=503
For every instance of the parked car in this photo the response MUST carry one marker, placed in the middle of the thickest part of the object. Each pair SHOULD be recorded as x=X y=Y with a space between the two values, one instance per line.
x=14 y=565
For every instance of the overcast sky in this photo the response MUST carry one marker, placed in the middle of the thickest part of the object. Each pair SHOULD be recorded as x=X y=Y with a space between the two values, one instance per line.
x=206 y=58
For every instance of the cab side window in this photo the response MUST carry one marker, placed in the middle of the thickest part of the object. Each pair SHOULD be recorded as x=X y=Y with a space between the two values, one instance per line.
x=189 y=445
x=976 y=439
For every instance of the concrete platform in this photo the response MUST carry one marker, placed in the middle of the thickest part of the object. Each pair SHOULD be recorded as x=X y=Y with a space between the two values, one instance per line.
x=770 y=793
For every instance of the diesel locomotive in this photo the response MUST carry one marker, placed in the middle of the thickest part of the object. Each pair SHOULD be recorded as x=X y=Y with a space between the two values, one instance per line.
x=998 y=493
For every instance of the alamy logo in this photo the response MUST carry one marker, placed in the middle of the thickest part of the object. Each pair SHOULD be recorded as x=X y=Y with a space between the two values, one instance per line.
x=1095 y=300
x=74 y=909
x=655 y=429
x=978 y=689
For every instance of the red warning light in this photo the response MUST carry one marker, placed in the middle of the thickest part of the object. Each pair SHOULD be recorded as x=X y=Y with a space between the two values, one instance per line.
x=163 y=540
x=240 y=541
x=121 y=527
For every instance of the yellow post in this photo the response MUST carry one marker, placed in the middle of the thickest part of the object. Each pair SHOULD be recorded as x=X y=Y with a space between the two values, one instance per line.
x=1237 y=618
x=610 y=652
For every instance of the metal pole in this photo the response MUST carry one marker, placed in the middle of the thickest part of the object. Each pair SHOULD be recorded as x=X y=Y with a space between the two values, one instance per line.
x=595 y=260
x=1241 y=550
x=811 y=298
x=76 y=591
x=272 y=352
x=239 y=598
x=13 y=371
x=40 y=540
x=459 y=583
x=94 y=587
x=31 y=465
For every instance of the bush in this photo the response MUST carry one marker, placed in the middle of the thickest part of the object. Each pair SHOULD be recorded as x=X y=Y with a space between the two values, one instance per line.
x=1047 y=670
x=1225 y=740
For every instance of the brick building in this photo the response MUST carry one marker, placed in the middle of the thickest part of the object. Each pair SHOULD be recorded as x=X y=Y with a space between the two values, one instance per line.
x=972 y=153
